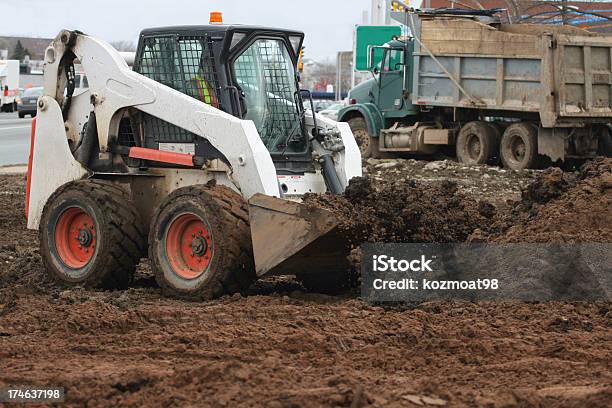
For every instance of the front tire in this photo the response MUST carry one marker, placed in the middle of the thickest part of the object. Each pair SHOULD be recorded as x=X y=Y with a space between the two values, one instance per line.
x=368 y=145
x=21 y=115
x=91 y=235
x=519 y=147
x=200 y=243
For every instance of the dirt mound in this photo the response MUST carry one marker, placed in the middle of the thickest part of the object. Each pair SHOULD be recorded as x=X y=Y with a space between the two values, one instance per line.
x=404 y=211
x=561 y=207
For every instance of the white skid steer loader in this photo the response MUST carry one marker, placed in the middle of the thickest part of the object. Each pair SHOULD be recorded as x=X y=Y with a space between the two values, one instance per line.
x=195 y=158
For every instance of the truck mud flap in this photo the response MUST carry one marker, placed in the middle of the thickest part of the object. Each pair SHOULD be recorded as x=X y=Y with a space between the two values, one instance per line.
x=292 y=238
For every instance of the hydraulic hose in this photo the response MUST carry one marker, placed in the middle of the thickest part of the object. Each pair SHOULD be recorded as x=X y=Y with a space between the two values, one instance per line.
x=83 y=153
x=329 y=174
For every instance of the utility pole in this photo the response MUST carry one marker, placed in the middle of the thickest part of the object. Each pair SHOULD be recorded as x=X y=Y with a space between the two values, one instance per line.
x=387 y=12
x=338 y=75
x=376 y=13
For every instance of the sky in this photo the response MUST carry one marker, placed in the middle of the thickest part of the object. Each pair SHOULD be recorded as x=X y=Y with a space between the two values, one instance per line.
x=328 y=24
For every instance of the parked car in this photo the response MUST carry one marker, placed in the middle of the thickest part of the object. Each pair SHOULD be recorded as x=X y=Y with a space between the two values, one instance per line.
x=331 y=112
x=320 y=104
x=26 y=105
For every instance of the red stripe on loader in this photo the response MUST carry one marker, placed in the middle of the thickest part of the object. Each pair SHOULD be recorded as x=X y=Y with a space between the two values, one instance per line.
x=163 y=157
x=29 y=174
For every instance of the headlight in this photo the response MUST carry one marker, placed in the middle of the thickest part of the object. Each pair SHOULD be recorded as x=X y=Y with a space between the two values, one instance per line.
x=18 y=101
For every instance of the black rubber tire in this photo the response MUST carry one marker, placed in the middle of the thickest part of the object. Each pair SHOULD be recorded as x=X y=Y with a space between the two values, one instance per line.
x=231 y=268
x=21 y=115
x=524 y=157
x=604 y=147
x=368 y=145
x=120 y=235
x=478 y=143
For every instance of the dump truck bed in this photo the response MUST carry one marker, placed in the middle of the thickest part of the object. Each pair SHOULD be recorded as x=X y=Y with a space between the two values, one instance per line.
x=562 y=73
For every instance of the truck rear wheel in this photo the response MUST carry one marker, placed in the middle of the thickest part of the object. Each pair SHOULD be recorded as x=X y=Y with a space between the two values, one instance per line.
x=91 y=235
x=478 y=143
x=368 y=146
x=519 y=147
x=200 y=243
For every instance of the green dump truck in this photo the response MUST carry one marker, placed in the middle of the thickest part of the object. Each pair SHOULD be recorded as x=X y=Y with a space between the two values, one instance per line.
x=521 y=94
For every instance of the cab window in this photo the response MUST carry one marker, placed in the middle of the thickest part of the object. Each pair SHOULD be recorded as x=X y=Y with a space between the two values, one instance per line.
x=393 y=59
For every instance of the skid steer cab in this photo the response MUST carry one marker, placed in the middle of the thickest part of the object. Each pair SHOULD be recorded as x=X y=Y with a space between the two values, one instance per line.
x=196 y=158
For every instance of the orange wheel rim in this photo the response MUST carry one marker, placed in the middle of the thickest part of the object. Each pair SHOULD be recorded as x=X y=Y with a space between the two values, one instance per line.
x=75 y=237
x=189 y=246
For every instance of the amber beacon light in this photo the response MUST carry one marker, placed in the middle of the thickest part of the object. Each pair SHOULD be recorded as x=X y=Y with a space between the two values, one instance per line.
x=216 y=17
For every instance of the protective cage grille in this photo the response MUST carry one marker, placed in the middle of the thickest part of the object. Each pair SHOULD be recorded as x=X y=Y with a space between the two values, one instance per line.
x=184 y=63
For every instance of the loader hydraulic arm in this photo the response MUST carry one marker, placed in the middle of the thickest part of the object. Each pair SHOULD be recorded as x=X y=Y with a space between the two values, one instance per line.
x=114 y=86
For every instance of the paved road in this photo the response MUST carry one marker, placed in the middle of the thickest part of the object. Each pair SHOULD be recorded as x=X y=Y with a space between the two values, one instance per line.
x=14 y=139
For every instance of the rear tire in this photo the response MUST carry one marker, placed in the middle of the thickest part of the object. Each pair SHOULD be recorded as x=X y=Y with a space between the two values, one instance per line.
x=200 y=243
x=478 y=143
x=91 y=235
x=519 y=147
x=368 y=145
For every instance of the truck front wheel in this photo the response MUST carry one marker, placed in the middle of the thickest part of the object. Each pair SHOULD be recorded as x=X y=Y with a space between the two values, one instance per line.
x=477 y=143
x=368 y=146
x=519 y=147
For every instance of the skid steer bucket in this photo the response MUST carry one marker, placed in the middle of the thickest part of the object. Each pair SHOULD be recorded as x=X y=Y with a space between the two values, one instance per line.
x=291 y=238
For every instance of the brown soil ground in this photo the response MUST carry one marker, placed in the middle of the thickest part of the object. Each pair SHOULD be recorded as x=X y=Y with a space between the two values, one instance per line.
x=281 y=346
x=561 y=207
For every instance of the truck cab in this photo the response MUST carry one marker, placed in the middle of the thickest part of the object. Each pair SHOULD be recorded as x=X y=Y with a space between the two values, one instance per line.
x=384 y=99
